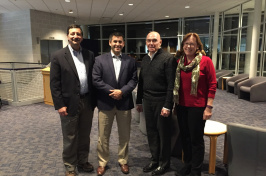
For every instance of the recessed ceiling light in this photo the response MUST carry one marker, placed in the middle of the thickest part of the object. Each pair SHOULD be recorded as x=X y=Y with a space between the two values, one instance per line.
x=67 y=0
x=130 y=4
x=166 y=16
x=70 y=11
x=187 y=7
x=121 y=14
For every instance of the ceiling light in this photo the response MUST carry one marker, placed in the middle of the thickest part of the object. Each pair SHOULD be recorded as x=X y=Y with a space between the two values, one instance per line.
x=70 y=11
x=67 y=0
x=166 y=16
x=187 y=7
x=130 y=4
x=121 y=14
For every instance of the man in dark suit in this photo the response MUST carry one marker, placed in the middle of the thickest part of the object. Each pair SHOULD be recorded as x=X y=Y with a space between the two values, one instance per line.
x=114 y=76
x=73 y=97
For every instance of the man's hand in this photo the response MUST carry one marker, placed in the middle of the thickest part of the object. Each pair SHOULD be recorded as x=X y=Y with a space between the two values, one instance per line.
x=116 y=94
x=139 y=108
x=165 y=112
x=63 y=111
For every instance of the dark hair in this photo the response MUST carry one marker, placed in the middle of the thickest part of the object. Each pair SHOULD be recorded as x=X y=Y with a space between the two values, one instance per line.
x=181 y=52
x=74 y=26
x=117 y=34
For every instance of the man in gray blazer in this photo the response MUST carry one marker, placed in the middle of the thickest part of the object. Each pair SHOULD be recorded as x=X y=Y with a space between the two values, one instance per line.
x=73 y=97
x=114 y=76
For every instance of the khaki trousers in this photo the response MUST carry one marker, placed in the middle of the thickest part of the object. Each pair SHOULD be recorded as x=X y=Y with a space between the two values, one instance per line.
x=106 y=118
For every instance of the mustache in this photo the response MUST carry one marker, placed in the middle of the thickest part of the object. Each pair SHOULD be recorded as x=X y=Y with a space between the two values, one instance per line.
x=75 y=39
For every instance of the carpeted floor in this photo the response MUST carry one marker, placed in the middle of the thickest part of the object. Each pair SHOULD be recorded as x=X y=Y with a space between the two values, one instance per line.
x=31 y=140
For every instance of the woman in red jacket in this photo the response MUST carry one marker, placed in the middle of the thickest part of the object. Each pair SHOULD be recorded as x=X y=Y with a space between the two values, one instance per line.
x=194 y=91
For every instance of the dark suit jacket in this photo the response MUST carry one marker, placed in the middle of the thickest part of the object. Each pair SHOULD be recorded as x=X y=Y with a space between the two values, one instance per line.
x=104 y=80
x=64 y=80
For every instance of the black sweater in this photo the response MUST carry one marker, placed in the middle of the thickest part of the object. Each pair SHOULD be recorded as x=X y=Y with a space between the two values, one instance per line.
x=156 y=79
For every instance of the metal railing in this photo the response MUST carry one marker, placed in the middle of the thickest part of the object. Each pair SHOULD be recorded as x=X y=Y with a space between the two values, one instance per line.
x=21 y=83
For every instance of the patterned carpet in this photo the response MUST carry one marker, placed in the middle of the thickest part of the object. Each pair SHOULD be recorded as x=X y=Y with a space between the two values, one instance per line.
x=31 y=140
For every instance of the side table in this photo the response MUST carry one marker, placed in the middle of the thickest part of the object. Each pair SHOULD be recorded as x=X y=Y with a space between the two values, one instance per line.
x=214 y=129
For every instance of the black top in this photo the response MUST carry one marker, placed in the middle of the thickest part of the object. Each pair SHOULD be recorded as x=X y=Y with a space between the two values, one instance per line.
x=156 y=79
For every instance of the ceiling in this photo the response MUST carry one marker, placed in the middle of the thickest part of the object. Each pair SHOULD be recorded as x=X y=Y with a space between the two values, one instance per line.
x=107 y=11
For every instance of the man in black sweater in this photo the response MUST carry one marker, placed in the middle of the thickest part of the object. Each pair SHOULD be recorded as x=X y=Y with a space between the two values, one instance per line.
x=155 y=89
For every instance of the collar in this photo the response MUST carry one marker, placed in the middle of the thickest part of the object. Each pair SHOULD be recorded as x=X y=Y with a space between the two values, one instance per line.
x=152 y=55
x=113 y=55
x=73 y=51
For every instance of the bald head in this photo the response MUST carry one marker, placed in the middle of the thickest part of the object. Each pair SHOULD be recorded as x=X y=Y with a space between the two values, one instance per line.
x=153 y=42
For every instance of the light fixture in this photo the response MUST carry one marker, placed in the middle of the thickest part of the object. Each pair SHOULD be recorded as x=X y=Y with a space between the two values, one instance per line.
x=167 y=16
x=70 y=11
x=130 y=4
x=121 y=14
x=67 y=0
x=187 y=7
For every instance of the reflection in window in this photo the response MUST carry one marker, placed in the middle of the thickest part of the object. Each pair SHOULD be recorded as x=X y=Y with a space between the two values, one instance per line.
x=206 y=47
x=136 y=46
x=242 y=59
x=94 y=32
x=228 y=61
x=199 y=25
x=167 y=29
x=138 y=30
x=169 y=45
x=231 y=21
x=107 y=30
x=230 y=43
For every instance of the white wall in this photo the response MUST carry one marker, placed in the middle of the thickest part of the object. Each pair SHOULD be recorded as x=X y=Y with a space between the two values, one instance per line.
x=20 y=33
x=48 y=26
x=15 y=37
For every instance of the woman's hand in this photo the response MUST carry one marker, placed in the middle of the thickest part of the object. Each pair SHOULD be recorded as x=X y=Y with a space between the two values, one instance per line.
x=207 y=114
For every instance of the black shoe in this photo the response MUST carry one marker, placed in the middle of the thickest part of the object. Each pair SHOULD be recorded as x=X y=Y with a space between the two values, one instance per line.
x=159 y=170
x=150 y=167
x=86 y=167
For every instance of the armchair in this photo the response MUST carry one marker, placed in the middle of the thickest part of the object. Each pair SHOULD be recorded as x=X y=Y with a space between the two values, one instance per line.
x=231 y=83
x=255 y=87
x=246 y=150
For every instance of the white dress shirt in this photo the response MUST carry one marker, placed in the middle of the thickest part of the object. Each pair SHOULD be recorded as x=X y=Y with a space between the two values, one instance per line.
x=117 y=64
x=81 y=69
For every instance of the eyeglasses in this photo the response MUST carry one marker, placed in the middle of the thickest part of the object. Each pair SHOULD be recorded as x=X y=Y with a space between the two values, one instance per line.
x=190 y=44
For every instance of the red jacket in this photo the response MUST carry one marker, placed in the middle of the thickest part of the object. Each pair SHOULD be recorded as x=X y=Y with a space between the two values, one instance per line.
x=206 y=85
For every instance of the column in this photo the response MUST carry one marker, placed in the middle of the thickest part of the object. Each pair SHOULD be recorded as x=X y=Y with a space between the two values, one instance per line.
x=255 y=39
x=215 y=39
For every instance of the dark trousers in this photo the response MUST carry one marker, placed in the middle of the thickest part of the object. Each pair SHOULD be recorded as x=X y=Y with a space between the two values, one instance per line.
x=76 y=135
x=191 y=126
x=158 y=132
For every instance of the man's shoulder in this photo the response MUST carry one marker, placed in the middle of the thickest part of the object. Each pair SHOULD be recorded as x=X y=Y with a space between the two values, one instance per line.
x=60 y=51
x=165 y=53
x=127 y=57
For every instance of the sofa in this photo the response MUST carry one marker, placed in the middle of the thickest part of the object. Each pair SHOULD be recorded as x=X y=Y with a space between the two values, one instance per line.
x=246 y=150
x=253 y=89
x=231 y=83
